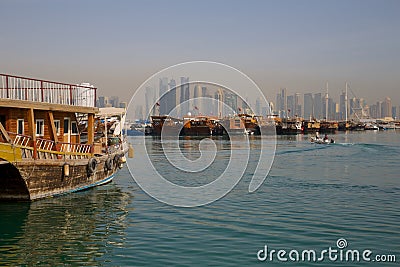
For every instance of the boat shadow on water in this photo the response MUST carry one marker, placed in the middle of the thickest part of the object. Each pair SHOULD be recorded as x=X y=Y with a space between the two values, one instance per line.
x=77 y=229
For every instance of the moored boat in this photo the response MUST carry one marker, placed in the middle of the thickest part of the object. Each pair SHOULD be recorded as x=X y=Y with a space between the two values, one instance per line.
x=41 y=153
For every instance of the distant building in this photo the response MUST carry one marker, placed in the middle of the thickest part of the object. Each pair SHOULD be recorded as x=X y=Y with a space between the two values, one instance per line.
x=171 y=96
x=113 y=101
x=308 y=106
x=386 y=108
x=102 y=102
x=163 y=97
x=297 y=105
x=290 y=106
x=184 y=96
x=230 y=99
x=318 y=106
x=342 y=106
x=123 y=104
x=394 y=113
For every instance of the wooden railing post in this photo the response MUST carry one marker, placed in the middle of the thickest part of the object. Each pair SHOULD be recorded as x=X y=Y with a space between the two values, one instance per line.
x=32 y=129
x=53 y=130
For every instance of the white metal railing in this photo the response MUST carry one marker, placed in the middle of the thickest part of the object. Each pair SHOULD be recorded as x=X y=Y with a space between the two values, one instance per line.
x=22 y=88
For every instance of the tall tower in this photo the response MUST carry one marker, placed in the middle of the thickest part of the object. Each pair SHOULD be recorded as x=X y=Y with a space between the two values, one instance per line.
x=163 y=101
x=297 y=105
x=308 y=106
x=184 y=95
x=171 y=96
x=283 y=103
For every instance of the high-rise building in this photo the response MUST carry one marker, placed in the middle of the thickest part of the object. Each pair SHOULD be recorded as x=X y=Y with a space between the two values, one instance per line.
x=205 y=104
x=230 y=99
x=283 y=103
x=290 y=106
x=342 y=106
x=277 y=108
x=184 y=103
x=163 y=101
x=123 y=104
x=218 y=96
x=373 y=111
x=297 y=105
x=394 y=112
x=258 y=106
x=196 y=101
x=386 y=108
x=308 y=106
x=150 y=99
x=113 y=101
x=378 y=109
x=318 y=106
x=171 y=96
x=102 y=102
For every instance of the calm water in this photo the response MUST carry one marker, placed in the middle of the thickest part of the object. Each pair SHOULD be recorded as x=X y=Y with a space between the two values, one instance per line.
x=314 y=195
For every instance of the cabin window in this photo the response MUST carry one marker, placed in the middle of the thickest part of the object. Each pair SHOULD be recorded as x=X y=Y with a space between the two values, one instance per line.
x=57 y=126
x=237 y=123
x=74 y=127
x=39 y=127
x=20 y=126
x=66 y=125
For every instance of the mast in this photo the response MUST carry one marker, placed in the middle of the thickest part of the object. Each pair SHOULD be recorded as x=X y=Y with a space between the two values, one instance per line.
x=345 y=102
x=326 y=101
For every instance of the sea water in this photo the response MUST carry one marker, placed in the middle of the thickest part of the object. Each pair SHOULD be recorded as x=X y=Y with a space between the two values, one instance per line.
x=314 y=197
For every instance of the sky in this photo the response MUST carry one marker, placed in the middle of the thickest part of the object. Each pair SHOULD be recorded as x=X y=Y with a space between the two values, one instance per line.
x=117 y=45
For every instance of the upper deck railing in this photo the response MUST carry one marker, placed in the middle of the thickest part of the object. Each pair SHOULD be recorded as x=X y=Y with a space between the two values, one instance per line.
x=22 y=88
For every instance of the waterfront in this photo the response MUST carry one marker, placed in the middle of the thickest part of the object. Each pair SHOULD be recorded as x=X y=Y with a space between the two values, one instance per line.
x=314 y=195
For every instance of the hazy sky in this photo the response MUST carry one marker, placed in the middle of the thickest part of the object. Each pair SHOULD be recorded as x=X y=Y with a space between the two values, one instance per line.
x=116 y=45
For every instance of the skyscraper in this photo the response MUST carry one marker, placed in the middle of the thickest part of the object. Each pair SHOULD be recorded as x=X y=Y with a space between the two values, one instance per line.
x=196 y=101
x=290 y=106
x=184 y=95
x=277 y=107
x=171 y=96
x=378 y=109
x=150 y=99
x=308 y=106
x=318 y=106
x=297 y=105
x=163 y=101
x=342 y=106
x=386 y=108
x=283 y=104
x=394 y=112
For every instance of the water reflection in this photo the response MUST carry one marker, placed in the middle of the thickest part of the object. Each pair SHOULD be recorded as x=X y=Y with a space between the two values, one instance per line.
x=78 y=229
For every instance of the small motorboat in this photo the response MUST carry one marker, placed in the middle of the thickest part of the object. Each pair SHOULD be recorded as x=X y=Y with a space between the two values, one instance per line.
x=323 y=141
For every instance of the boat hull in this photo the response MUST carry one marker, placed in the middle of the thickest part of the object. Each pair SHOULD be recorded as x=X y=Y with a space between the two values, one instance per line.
x=34 y=179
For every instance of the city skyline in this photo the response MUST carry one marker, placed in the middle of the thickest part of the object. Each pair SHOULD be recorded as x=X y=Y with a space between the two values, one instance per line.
x=279 y=44
x=186 y=97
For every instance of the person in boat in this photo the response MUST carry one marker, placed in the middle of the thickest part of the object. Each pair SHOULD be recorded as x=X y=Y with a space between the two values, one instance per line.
x=326 y=137
x=316 y=136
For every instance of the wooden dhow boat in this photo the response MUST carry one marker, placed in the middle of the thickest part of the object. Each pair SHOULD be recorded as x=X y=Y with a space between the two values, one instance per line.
x=41 y=153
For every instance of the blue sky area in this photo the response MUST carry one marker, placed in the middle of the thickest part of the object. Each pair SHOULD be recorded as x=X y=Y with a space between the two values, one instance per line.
x=117 y=45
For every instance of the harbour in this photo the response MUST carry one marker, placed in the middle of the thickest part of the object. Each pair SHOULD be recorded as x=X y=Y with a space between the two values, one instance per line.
x=309 y=205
